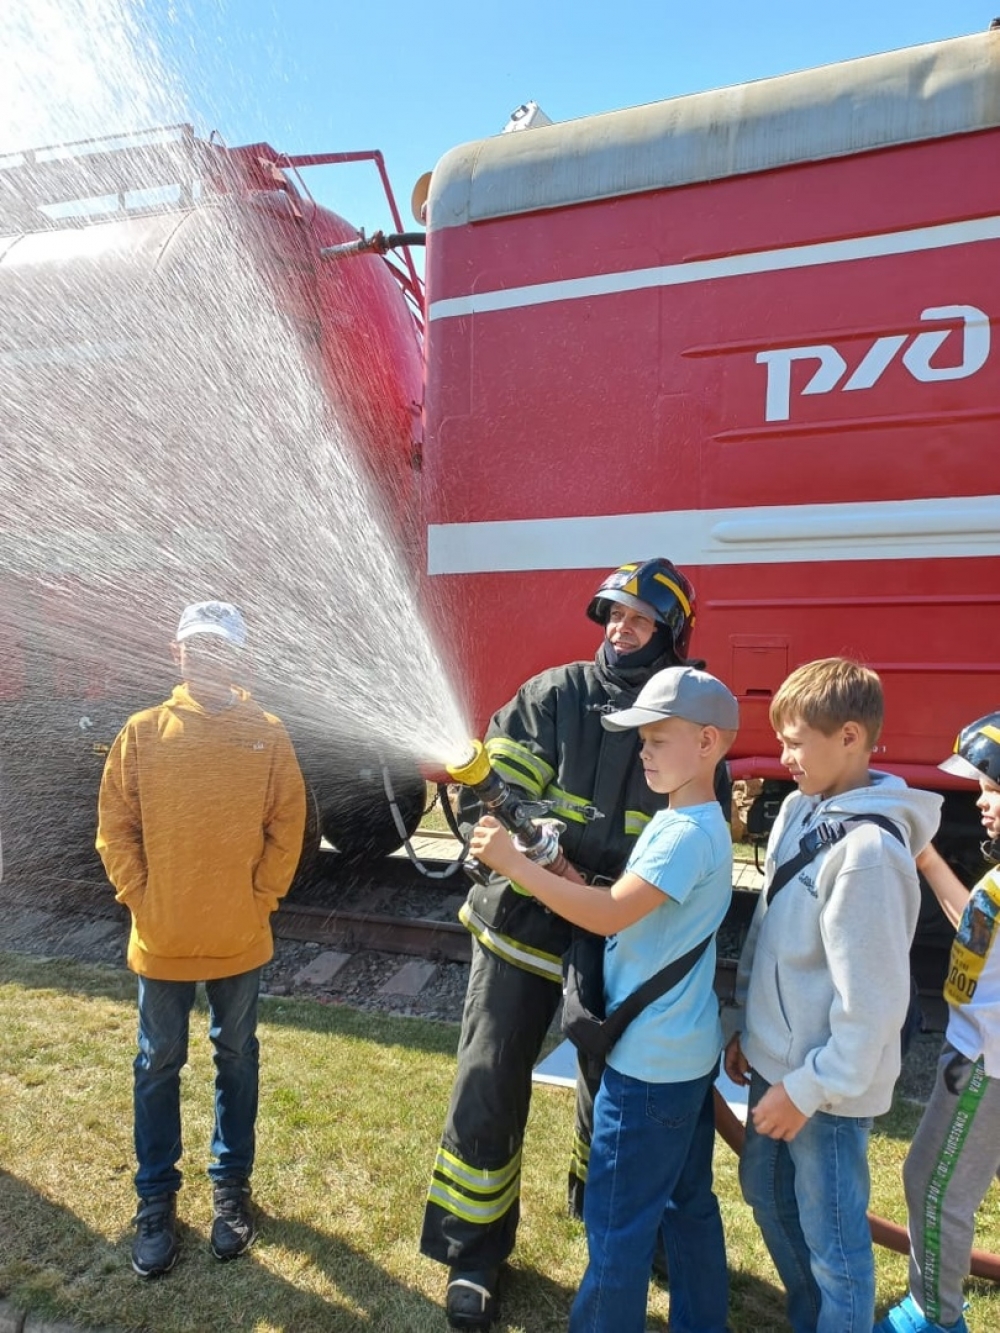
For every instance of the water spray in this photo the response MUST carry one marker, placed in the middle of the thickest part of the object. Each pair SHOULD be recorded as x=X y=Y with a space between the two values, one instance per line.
x=534 y=835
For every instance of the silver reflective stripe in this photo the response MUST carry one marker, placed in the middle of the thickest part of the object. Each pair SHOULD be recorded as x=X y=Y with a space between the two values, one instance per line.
x=521 y=955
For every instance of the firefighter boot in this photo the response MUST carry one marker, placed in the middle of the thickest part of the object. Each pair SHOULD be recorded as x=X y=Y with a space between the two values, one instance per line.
x=471 y=1300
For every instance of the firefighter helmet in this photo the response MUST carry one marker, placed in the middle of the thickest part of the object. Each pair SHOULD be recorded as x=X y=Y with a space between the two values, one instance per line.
x=650 y=585
x=977 y=750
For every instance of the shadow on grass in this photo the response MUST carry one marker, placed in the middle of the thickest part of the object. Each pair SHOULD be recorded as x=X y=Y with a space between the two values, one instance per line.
x=538 y=1305
x=900 y=1122
x=49 y=972
x=306 y=1015
x=755 y=1306
x=54 y=1265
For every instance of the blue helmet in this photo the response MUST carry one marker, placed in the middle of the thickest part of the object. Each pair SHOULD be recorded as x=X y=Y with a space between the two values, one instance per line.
x=977 y=750
x=651 y=587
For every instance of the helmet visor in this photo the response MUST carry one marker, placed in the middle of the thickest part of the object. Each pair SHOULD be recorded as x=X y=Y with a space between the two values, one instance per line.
x=626 y=599
x=961 y=768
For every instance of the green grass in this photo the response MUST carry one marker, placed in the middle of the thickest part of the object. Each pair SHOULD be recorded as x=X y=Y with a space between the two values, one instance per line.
x=351 y=1109
x=434 y=820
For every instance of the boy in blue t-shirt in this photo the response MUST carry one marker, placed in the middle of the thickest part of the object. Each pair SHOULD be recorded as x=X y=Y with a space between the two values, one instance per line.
x=650 y=1165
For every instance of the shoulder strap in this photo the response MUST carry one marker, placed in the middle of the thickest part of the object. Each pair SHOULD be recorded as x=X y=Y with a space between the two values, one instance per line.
x=825 y=834
x=653 y=988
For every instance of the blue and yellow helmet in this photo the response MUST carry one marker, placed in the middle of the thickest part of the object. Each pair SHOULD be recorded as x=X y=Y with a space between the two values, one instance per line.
x=977 y=751
x=654 y=588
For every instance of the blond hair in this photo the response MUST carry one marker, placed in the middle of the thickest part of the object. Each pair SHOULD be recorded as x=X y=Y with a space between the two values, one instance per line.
x=827 y=693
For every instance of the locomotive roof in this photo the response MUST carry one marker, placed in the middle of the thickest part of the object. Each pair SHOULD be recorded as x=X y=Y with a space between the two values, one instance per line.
x=880 y=101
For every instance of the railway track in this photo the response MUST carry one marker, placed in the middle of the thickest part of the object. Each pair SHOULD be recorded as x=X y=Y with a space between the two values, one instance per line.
x=436 y=934
x=390 y=908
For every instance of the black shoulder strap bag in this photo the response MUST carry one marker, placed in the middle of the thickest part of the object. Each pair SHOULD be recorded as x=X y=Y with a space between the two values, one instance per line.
x=825 y=834
x=583 y=1020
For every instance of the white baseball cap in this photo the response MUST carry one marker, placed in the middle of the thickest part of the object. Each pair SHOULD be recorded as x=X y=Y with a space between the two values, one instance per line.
x=221 y=618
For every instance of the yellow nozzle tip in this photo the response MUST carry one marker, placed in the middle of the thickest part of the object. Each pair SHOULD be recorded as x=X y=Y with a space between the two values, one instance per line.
x=472 y=768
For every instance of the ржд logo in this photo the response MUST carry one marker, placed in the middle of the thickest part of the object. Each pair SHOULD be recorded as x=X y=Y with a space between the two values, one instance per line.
x=975 y=335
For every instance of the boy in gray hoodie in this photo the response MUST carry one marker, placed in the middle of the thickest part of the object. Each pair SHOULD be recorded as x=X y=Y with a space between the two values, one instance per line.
x=824 y=977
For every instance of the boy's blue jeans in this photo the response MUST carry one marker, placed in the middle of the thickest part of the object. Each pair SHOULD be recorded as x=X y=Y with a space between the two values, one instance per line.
x=651 y=1170
x=810 y=1198
x=164 y=1014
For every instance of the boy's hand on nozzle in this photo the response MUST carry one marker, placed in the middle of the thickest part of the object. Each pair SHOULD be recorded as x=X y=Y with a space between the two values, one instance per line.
x=776 y=1116
x=491 y=844
x=735 y=1063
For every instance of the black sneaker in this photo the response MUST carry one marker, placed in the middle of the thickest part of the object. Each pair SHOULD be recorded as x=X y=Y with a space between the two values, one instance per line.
x=471 y=1301
x=155 y=1248
x=233 y=1227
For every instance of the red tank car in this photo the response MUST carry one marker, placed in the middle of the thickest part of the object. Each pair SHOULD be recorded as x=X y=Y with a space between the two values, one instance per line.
x=193 y=405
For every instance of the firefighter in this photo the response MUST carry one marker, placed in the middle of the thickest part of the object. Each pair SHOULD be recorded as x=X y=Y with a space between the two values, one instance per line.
x=548 y=743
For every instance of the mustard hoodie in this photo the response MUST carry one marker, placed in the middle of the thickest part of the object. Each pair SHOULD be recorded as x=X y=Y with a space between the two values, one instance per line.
x=201 y=820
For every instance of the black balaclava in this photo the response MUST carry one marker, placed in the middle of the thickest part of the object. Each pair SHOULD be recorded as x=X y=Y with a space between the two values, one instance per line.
x=661 y=644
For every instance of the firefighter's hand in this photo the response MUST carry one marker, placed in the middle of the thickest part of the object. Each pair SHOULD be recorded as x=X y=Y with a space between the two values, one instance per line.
x=776 y=1116
x=491 y=844
x=735 y=1063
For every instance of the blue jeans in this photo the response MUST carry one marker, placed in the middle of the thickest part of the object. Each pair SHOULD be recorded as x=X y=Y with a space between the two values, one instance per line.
x=164 y=1014
x=810 y=1198
x=651 y=1170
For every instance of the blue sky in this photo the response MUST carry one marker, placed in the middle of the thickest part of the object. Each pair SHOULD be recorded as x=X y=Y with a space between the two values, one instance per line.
x=416 y=79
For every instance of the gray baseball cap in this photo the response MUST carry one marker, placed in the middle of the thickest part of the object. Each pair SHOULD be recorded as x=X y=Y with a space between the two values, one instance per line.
x=679 y=692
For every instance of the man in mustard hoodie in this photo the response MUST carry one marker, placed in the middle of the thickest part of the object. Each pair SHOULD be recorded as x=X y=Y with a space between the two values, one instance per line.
x=201 y=819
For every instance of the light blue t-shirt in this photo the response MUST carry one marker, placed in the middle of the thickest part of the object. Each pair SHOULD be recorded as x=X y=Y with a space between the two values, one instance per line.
x=688 y=854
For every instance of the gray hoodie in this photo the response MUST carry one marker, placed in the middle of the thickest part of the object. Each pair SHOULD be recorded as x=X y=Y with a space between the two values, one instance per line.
x=824 y=974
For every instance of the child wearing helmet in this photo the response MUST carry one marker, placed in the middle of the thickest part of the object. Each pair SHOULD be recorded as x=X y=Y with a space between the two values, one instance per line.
x=955 y=1152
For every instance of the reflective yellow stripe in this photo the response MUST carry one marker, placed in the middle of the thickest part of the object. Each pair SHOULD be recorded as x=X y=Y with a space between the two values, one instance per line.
x=635 y=822
x=580 y=1159
x=460 y=1206
x=476 y=1179
x=676 y=589
x=519 y=765
x=542 y=964
x=567 y=806
x=990 y=732
x=473 y=1193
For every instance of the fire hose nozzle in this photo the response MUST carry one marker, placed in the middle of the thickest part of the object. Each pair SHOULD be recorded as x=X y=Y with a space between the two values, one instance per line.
x=377 y=243
x=537 y=837
x=362 y=246
x=472 y=771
